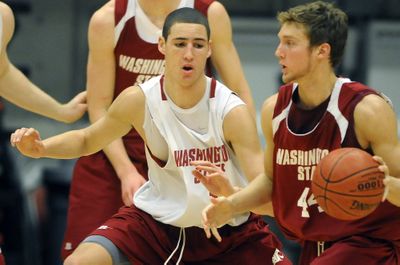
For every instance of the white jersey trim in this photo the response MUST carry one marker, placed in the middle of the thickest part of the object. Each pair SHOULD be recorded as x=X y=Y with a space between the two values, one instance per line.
x=130 y=12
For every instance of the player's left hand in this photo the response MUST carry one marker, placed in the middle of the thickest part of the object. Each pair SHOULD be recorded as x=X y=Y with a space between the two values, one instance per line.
x=75 y=108
x=215 y=179
x=130 y=183
x=392 y=189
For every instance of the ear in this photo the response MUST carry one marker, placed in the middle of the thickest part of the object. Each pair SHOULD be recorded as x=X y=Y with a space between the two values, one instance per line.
x=209 y=49
x=324 y=50
x=161 y=45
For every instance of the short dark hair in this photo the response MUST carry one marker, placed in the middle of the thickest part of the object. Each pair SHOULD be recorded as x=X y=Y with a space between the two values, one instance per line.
x=324 y=23
x=185 y=15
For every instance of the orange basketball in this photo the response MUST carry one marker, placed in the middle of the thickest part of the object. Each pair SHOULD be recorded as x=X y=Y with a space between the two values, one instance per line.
x=347 y=183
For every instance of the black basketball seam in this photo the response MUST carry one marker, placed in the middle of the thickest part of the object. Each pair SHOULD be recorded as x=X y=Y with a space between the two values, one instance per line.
x=357 y=172
x=345 y=194
x=344 y=210
x=329 y=176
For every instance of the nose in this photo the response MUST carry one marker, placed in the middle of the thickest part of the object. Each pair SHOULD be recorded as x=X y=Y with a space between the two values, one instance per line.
x=189 y=52
x=278 y=51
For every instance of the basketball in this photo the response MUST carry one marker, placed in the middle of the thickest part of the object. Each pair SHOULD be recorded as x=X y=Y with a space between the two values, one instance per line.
x=347 y=183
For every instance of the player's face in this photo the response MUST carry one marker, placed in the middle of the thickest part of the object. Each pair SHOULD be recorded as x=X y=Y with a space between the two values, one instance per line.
x=186 y=51
x=294 y=52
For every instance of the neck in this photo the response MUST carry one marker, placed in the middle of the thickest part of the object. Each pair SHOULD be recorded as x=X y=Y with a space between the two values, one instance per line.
x=185 y=96
x=315 y=90
x=157 y=10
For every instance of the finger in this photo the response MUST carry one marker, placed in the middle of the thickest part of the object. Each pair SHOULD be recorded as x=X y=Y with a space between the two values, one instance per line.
x=387 y=180
x=216 y=234
x=379 y=160
x=384 y=169
x=199 y=177
x=207 y=231
x=200 y=163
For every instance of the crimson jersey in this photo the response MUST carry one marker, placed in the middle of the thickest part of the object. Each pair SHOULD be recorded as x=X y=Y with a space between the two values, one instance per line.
x=302 y=138
x=95 y=187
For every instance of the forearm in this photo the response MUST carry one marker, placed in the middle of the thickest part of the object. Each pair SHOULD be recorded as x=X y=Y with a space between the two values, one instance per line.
x=255 y=197
x=72 y=144
x=16 y=88
x=118 y=157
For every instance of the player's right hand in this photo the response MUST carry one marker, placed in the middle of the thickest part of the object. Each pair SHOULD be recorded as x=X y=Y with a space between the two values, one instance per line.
x=28 y=142
x=215 y=215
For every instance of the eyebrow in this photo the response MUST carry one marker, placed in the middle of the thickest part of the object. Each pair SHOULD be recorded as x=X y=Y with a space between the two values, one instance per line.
x=196 y=39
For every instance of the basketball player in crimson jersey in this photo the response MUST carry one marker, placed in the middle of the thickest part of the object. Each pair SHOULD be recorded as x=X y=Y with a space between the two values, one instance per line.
x=123 y=36
x=314 y=113
x=182 y=116
x=16 y=88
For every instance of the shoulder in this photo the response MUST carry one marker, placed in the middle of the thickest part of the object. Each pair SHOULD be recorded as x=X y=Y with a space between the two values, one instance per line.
x=216 y=8
x=8 y=22
x=269 y=104
x=130 y=99
x=217 y=15
x=371 y=105
x=102 y=22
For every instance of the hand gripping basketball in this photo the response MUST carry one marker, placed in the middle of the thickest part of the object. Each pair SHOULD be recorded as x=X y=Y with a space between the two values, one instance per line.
x=348 y=184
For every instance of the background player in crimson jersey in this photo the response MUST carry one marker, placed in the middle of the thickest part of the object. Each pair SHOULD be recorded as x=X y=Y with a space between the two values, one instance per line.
x=180 y=111
x=123 y=36
x=316 y=112
x=16 y=88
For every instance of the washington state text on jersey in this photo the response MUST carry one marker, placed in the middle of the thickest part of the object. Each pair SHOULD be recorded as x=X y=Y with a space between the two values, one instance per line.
x=215 y=154
x=305 y=160
x=145 y=68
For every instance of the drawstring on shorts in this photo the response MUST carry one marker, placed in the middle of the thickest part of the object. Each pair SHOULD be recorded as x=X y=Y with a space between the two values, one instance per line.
x=181 y=232
x=320 y=247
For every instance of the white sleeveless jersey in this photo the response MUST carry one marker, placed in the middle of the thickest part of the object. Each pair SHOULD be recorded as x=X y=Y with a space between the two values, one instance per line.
x=172 y=195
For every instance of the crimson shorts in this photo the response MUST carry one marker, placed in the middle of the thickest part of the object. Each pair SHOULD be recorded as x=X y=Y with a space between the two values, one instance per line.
x=2 y=262
x=352 y=250
x=145 y=241
x=95 y=195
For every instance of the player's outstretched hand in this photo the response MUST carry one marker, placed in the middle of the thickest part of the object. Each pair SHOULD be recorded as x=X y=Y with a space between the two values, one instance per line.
x=75 y=108
x=212 y=177
x=28 y=142
x=215 y=215
x=392 y=192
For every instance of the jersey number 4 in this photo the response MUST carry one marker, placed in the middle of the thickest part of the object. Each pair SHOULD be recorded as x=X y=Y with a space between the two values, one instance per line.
x=306 y=200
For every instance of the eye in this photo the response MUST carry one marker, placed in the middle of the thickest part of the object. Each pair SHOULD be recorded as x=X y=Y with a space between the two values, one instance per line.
x=180 y=44
x=289 y=43
x=198 y=45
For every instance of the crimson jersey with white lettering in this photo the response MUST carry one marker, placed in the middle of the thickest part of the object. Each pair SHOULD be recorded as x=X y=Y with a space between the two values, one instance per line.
x=95 y=187
x=302 y=138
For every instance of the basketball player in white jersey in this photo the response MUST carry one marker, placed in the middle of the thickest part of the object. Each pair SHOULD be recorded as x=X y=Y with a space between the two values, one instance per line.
x=17 y=89
x=182 y=116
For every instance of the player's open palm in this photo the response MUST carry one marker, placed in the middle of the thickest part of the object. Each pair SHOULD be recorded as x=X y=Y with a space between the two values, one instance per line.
x=28 y=142
x=215 y=215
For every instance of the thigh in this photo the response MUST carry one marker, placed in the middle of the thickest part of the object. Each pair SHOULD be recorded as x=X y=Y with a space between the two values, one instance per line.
x=89 y=253
x=359 y=250
x=94 y=197
x=250 y=243
x=142 y=239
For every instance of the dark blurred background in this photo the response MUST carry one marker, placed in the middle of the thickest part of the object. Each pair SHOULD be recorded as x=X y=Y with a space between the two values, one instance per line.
x=50 y=47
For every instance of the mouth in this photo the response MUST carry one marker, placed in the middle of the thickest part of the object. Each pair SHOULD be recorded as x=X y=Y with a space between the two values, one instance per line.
x=283 y=68
x=187 y=69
